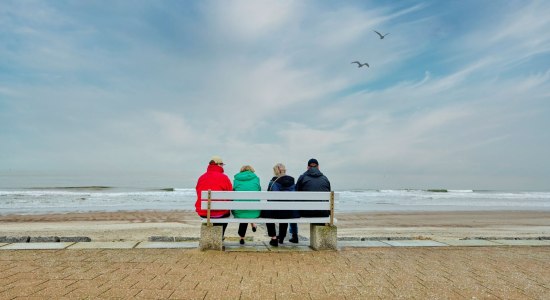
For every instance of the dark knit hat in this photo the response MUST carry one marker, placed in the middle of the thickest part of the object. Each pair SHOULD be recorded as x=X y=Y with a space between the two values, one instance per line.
x=312 y=162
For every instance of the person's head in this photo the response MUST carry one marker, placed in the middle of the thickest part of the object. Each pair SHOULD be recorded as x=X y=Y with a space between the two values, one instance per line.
x=247 y=168
x=312 y=163
x=279 y=170
x=216 y=160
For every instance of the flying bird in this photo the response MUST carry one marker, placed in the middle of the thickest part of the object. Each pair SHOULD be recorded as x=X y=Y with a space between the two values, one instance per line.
x=359 y=65
x=381 y=35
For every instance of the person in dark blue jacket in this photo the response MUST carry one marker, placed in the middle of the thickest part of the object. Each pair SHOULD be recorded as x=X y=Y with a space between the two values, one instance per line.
x=313 y=181
x=284 y=183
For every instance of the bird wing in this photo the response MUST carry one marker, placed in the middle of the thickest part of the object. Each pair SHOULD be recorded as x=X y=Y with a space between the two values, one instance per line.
x=366 y=64
x=355 y=62
x=378 y=33
x=386 y=34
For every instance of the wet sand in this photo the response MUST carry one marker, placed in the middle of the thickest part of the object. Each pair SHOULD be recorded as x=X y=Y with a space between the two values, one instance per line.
x=140 y=225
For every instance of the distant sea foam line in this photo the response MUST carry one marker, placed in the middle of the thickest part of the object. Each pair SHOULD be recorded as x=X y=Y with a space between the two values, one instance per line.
x=93 y=198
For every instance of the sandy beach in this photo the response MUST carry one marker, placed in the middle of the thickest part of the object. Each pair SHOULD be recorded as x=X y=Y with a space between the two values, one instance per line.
x=140 y=225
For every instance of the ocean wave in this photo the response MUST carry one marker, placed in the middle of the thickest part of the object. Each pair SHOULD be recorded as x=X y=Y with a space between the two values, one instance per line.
x=67 y=200
x=91 y=187
x=184 y=190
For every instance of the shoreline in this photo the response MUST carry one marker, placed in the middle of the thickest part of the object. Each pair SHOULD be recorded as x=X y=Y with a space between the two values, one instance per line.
x=140 y=225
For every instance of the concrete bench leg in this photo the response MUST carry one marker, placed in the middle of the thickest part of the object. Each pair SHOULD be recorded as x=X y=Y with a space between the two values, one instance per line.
x=323 y=237
x=211 y=238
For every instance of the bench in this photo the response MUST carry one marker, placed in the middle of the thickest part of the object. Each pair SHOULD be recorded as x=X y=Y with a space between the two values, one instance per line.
x=322 y=230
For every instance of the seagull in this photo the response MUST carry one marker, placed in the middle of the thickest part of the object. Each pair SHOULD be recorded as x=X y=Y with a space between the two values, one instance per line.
x=381 y=36
x=359 y=65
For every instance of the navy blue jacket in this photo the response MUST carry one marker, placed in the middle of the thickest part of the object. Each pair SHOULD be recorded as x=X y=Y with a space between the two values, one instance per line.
x=284 y=184
x=313 y=181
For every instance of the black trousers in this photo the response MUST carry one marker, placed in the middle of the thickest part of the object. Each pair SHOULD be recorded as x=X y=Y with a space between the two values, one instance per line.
x=242 y=229
x=282 y=229
x=221 y=224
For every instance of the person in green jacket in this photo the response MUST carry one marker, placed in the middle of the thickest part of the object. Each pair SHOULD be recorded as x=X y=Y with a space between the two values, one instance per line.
x=246 y=180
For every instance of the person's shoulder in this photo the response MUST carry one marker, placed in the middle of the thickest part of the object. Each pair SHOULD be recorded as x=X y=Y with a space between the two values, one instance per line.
x=204 y=176
x=275 y=186
x=299 y=181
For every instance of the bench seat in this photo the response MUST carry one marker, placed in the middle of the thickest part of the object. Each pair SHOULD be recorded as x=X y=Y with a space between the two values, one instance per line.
x=322 y=230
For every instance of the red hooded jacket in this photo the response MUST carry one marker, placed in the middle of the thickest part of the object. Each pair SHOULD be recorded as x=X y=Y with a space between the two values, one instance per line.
x=214 y=179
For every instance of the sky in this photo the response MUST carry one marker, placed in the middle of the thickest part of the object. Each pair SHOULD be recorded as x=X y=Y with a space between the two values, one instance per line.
x=143 y=93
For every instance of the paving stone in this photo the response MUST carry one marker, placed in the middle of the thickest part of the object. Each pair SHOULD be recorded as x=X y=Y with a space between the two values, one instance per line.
x=36 y=246
x=75 y=239
x=85 y=292
x=288 y=247
x=53 y=292
x=523 y=242
x=504 y=272
x=59 y=283
x=468 y=242
x=359 y=243
x=120 y=293
x=386 y=238
x=188 y=294
x=44 y=239
x=186 y=239
x=247 y=247
x=167 y=245
x=14 y=239
x=104 y=245
x=414 y=243
x=20 y=292
x=349 y=238
x=161 y=239
x=154 y=294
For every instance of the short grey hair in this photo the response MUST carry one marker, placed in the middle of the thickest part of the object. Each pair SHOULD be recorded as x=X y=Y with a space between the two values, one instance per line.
x=279 y=170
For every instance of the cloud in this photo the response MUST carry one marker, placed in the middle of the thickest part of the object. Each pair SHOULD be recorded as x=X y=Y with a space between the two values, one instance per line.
x=243 y=19
x=157 y=88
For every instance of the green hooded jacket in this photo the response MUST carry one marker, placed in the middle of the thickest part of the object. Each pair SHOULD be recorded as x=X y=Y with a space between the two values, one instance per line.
x=246 y=181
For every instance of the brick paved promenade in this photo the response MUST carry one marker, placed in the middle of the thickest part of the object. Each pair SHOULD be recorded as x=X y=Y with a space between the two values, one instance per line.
x=358 y=273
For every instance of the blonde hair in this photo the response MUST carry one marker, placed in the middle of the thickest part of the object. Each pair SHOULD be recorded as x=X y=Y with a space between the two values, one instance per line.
x=247 y=168
x=279 y=170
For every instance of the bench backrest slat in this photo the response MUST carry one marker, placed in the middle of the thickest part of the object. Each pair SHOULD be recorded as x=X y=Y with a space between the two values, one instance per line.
x=267 y=205
x=218 y=200
x=302 y=196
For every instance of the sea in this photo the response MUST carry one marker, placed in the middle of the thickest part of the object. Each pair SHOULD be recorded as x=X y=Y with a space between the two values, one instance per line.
x=40 y=200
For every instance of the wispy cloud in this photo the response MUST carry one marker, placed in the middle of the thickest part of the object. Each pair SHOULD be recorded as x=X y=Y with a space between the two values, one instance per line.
x=153 y=87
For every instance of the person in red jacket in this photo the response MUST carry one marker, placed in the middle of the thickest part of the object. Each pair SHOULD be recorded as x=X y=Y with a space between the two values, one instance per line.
x=214 y=179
